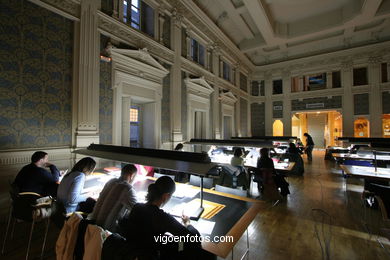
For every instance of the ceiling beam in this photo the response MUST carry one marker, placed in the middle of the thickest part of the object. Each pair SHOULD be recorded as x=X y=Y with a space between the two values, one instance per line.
x=236 y=17
x=261 y=19
x=367 y=14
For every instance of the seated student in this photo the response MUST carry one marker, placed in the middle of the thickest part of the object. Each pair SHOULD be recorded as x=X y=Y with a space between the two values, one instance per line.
x=265 y=162
x=148 y=221
x=72 y=184
x=238 y=161
x=35 y=178
x=294 y=156
x=116 y=199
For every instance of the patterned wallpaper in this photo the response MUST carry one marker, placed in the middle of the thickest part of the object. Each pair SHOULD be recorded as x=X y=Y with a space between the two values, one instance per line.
x=361 y=104
x=35 y=76
x=105 y=103
x=277 y=113
x=165 y=108
x=385 y=102
x=244 y=116
x=258 y=119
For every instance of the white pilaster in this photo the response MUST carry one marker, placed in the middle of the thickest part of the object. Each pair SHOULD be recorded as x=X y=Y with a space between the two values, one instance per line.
x=216 y=103
x=161 y=20
x=268 y=105
x=375 y=97
x=286 y=103
x=126 y=104
x=329 y=79
x=348 y=112
x=88 y=88
x=175 y=94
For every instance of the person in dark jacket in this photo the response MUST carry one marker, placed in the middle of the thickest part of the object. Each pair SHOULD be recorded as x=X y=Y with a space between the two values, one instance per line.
x=35 y=178
x=309 y=146
x=294 y=156
x=147 y=223
x=265 y=162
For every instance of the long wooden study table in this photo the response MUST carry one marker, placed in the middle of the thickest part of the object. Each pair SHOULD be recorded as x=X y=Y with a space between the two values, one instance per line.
x=232 y=220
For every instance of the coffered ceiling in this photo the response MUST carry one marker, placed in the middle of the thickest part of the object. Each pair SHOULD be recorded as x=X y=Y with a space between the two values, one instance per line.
x=270 y=31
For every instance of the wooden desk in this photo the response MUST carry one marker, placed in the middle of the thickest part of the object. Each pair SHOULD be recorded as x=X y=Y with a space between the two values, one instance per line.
x=232 y=220
x=366 y=172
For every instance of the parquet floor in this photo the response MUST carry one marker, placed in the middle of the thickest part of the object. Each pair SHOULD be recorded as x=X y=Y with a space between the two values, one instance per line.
x=323 y=218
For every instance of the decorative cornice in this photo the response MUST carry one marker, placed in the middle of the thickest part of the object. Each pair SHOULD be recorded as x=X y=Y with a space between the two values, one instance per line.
x=122 y=31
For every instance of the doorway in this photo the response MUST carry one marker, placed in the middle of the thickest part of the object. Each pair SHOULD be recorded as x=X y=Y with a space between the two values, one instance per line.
x=200 y=125
x=277 y=128
x=135 y=126
x=227 y=127
x=323 y=126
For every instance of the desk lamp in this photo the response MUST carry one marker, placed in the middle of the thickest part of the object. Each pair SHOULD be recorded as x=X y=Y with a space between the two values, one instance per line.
x=198 y=212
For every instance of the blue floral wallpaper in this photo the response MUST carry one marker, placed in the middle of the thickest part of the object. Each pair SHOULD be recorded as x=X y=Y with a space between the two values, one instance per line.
x=35 y=76
x=105 y=103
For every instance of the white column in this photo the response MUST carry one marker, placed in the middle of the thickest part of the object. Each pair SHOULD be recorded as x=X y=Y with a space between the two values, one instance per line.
x=329 y=79
x=216 y=104
x=117 y=115
x=126 y=104
x=300 y=87
x=115 y=9
x=268 y=105
x=207 y=62
x=220 y=69
x=188 y=44
x=348 y=113
x=87 y=131
x=175 y=94
x=161 y=20
x=375 y=96
x=237 y=118
x=286 y=103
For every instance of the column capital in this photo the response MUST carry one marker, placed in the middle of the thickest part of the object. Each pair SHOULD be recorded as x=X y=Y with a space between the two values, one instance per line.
x=177 y=18
x=346 y=65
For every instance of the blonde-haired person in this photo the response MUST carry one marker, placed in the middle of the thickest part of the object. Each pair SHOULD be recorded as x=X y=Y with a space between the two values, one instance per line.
x=72 y=184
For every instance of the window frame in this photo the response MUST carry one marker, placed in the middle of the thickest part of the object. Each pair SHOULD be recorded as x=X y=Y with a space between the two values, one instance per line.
x=124 y=16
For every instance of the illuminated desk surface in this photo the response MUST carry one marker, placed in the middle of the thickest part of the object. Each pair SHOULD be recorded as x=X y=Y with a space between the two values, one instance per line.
x=360 y=156
x=232 y=220
x=366 y=172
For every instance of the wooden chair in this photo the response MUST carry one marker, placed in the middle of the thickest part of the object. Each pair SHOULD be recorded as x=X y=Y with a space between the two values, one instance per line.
x=271 y=191
x=24 y=208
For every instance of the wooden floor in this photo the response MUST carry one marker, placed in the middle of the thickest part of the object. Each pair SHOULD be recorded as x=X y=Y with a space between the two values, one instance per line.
x=323 y=218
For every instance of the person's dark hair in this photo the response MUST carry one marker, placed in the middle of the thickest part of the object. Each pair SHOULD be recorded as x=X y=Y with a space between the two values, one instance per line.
x=37 y=156
x=85 y=165
x=238 y=152
x=264 y=152
x=292 y=148
x=129 y=169
x=306 y=134
x=163 y=185
x=179 y=146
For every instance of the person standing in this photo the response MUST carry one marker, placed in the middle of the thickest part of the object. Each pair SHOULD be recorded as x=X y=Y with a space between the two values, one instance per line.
x=309 y=146
x=35 y=178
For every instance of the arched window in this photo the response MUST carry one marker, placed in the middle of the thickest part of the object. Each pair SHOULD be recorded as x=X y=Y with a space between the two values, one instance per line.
x=361 y=127
x=277 y=128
